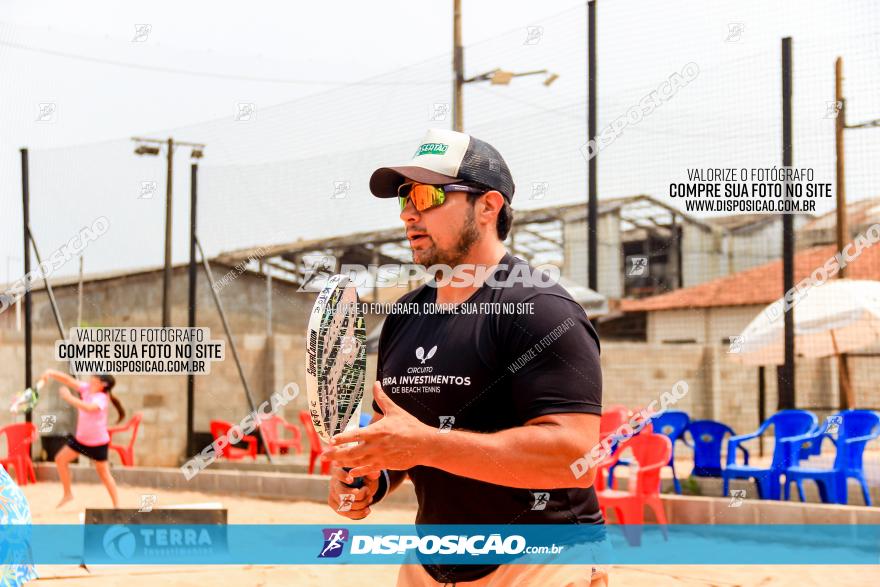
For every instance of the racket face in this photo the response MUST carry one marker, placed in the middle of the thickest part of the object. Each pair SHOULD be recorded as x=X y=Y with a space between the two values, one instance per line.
x=336 y=358
x=24 y=401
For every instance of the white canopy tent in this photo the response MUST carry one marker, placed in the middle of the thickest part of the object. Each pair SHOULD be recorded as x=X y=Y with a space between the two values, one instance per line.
x=839 y=316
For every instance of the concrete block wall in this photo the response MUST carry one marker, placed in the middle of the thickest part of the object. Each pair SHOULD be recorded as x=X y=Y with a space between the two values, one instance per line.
x=269 y=362
x=634 y=374
x=136 y=300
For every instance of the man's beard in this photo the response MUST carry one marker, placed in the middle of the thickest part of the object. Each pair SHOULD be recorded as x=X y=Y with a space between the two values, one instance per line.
x=453 y=257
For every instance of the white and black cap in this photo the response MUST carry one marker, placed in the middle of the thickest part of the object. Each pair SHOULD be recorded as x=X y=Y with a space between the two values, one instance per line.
x=444 y=157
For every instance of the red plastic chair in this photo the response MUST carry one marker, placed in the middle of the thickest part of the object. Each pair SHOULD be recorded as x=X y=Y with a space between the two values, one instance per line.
x=221 y=428
x=126 y=453
x=19 y=438
x=316 y=448
x=612 y=418
x=277 y=444
x=617 y=408
x=651 y=452
x=646 y=428
x=610 y=422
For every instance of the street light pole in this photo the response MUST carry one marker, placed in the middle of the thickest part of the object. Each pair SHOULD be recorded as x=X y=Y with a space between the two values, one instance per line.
x=457 y=68
x=495 y=77
x=166 y=276
x=154 y=147
x=844 y=390
x=839 y=126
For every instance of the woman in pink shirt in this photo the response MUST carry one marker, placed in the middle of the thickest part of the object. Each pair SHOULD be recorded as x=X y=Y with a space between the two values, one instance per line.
x=91 y=438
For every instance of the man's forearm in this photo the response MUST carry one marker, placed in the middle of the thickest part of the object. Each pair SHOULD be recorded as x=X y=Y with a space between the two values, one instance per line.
x=530 y=457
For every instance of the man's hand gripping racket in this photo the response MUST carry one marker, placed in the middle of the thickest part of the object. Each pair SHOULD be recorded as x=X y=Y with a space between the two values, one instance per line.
x=336 y=360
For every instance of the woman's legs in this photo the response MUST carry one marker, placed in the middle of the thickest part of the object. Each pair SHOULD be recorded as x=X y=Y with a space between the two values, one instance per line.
x=103 y=468
x=62 y=463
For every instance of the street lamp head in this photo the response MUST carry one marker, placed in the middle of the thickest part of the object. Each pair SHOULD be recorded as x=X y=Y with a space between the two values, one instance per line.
x=500 y=77
x=551 y=78
x=146 y=150
x=197 y=153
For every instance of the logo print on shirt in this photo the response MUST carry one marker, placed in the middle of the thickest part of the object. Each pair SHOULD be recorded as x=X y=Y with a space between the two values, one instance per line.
x=420 y=354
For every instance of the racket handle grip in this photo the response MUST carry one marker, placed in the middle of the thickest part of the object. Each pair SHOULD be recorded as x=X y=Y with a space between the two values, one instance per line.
x=358 y=481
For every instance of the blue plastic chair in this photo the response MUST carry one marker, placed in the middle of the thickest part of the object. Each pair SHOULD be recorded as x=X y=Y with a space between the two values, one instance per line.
x=855 y=428
x=707 y=438
x=786 y=425
x=672 y=424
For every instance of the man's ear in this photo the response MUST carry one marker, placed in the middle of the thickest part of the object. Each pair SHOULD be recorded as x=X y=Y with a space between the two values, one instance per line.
x=492 y=203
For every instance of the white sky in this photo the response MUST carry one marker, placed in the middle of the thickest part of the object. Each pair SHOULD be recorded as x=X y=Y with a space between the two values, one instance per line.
x=341 y=42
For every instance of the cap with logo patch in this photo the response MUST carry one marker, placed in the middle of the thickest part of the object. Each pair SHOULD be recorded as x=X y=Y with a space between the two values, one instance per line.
x=444 y=157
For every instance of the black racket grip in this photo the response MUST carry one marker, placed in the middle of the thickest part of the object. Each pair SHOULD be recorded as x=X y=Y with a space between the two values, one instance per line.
x=358 y=481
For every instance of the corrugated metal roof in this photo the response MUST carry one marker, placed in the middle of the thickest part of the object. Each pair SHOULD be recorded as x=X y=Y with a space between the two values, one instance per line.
x=758 y=285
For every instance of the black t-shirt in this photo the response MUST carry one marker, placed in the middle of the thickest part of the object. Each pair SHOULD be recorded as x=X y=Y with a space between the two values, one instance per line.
x=533 y=352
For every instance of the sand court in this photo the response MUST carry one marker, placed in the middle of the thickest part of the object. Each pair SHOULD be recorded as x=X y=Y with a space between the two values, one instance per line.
x=242 y=510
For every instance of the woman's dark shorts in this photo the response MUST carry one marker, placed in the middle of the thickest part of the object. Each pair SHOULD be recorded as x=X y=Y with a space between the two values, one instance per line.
x=96 y=453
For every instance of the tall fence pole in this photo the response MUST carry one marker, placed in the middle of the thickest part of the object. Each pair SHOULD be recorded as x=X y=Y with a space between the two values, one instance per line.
x=786 y=373
x=191 y=318
x=762 y=406
x=28 y=341
x=592 y=180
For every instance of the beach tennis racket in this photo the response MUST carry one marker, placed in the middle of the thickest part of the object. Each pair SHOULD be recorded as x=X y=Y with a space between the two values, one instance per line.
x=27 y=399
x=336 y=359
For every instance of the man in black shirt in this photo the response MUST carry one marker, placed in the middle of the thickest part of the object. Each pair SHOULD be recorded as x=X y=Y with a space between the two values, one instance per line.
x=488 y=384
